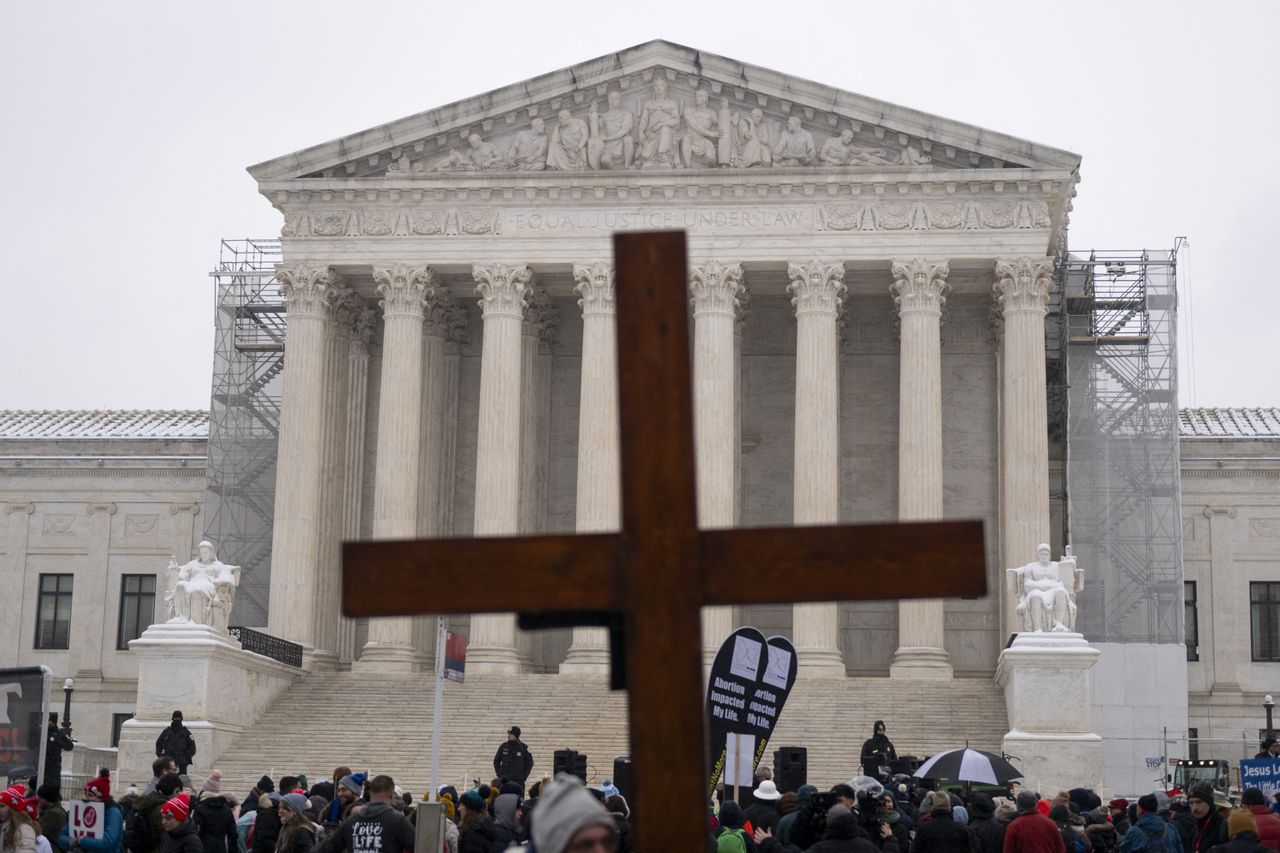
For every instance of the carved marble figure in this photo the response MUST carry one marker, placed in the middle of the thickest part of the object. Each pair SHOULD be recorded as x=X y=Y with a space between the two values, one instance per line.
x=203 y=591
x=795 y=146
x=612 y=144
x=837 y=151
x=529 y=149
x=912 y=157
x=479 y=155
x=749 y=145
x=1046 y=591
x=567 y=151
x=659 y=118
x=700 y=145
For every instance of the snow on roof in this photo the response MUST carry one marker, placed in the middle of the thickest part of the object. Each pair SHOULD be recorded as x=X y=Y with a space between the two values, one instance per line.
x=1229 y=423
x=104 y=423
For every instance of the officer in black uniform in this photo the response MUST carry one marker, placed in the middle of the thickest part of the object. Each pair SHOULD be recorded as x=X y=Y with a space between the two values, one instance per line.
x=513 y=760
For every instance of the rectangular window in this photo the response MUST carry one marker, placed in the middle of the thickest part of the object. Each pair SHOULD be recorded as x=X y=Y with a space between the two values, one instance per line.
x=1193 y=743
x=1264 y=620
x=117 y=720
x=1192 y=619
x=53 y=615
x=137 y=607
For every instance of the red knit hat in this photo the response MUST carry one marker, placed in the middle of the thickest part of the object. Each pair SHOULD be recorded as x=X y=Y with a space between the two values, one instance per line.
x=14 y=797
x=177 y=808
x=32 y=807
x=98 y=786
x=1043 y=807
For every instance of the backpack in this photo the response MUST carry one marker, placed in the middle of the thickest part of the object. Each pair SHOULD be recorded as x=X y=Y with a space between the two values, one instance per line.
x=1155 y=843
x=139 y=835
x=732 y=841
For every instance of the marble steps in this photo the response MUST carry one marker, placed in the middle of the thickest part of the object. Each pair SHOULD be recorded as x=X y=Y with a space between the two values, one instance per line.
x=384 y=722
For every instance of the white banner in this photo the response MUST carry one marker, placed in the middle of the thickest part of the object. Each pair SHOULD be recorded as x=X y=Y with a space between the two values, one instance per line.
x=86 y=819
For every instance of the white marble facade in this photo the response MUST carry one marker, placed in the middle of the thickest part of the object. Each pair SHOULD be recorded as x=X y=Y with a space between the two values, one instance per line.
x=859 y=275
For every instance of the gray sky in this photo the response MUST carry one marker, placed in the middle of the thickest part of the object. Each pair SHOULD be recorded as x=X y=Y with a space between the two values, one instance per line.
x=127 y=127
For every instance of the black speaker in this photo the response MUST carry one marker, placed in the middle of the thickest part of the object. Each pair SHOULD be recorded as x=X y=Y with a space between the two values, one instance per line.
x=622 y=776
x=905 y=764
x=572 y=762
x=790 y=767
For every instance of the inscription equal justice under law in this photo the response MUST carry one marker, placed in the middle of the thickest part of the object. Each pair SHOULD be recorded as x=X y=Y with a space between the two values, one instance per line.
x=610 y=220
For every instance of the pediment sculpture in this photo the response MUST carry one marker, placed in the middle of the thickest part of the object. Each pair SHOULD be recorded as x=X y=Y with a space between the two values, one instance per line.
x=1046 y=591
x=203 y=591
x=661 y=133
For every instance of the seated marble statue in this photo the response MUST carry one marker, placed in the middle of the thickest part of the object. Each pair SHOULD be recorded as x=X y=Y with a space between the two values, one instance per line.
x=529 y=149
x=795 y=146
x=836 y=151
x=203 y=590
x=477 y=156
x=567 y=150
x=1046 y=592
x=750 y=146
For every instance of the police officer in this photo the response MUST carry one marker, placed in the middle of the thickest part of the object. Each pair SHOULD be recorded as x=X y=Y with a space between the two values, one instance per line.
x=513 y=760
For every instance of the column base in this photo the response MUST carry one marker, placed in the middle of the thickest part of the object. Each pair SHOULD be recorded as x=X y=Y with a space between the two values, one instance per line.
x=819 y=663
x=589 y=661
x=493 y=660
x=1056 y=762
x=921 y=662
x=375 y=658
x=321 y=661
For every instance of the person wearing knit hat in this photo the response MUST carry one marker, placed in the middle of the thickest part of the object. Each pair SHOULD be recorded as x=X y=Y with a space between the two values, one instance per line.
x=1242 y=828
x=297 y=833
x=476 y=829
x=180 y=834
x=941 y=832
x=377 y=827
x=568 y=815
x=1210 y=826
x=18 y=832
x=52 y=815
x=213 y=813
x=98 y=790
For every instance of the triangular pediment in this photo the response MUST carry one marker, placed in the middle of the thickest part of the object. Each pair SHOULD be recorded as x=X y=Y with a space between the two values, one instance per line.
x=764 y=119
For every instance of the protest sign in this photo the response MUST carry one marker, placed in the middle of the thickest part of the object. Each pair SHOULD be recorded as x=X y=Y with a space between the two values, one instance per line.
x=86 y=819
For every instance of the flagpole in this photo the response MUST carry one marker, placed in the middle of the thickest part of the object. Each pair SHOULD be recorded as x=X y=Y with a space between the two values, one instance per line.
x=437 y=707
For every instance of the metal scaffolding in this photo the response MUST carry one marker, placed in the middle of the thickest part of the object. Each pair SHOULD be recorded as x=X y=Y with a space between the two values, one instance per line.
x=244 y=417
x=1122 y=473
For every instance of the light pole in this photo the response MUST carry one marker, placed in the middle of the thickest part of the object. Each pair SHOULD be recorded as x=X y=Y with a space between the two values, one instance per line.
x=69 y=687
x=1269 y=703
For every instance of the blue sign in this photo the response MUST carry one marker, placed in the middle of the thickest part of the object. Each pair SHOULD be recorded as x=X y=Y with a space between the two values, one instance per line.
x=1261 y=773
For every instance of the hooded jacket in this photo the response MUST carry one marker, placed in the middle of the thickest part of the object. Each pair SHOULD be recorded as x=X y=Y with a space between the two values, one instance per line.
x=1244 y=842
x=183 y=838
x=872 y=745
x=942 y=834
x=504 y=818
x=1268 y=826
x=987 y=832
x=177 y=743
x=843 y=835
x=215 y=824
x=1146 y=828
x=1032 y=832
x=381 y=829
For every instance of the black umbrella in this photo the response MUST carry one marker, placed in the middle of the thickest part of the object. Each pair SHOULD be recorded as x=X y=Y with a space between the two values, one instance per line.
x=969 y=765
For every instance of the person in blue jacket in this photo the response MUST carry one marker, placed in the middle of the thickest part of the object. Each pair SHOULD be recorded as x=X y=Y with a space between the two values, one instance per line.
x=98 y=790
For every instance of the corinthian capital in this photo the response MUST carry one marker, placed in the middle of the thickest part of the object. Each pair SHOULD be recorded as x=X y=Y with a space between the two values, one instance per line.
x=502 y=288
x=541 y=319
x=445 y=317
x=308 y=289
x=595 y=283
x=1022 y=284
x=347 y=306
x=715 y=288
x=816 y=287
x=920 y=284
x=404 y=289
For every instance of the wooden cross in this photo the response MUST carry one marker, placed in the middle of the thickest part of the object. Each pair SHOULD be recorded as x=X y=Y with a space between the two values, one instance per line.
x=659 y=570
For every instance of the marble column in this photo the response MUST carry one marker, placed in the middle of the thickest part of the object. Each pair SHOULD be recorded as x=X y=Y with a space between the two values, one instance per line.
x=1021 y=292
x=501 y=288
x=404 y=291
x=90 y=632
x=308 y=290
x=13 y=569
x=599 y=496
x=353 y=452
x=817 y=291
x=919 y=289
x=714 y=289
x=328 y=589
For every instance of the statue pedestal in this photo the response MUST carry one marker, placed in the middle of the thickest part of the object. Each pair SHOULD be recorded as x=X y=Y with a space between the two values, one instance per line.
x=1048 y=692
x=219 y=687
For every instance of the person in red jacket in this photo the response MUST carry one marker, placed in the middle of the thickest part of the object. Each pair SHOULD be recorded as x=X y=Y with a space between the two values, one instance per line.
x=1268 y=824
x=1030 y=831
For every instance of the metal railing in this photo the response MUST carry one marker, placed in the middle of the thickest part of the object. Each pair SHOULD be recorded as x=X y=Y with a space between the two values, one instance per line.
x=268 y=646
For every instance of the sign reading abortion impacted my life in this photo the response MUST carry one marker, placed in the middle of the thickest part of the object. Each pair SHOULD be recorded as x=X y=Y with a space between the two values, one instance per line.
x=750 y=680
x=1261 y=773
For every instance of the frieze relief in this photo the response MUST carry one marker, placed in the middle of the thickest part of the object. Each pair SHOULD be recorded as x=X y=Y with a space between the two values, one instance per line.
x=878 y=216
x=1264 y=528
x=661 y=120
x=58 y=524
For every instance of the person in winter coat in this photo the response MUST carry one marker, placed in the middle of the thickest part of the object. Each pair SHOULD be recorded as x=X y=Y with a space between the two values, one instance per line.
x=1256 y=802
x=145 y=830
x=986 y=831
x=506 y=819
x=1102 y=837
x=1030 y=831
x=732 y=829
x=1242 y=830
x=98 y=790
x=477 y=833
x=177 y=743
x=763 y=811
x=621 y=811
x=877 y=752
x=214 y=817
x=266 y=826
x=18 y=832
x=1210 y=827
x=380 y=828
x=52 y=815
x=180 y=835
x=1072 y=835
x=941 y=833
x=843 y=834
x=785 y=832
x=1150 y=827
x=1118 y=809
x=513 y=760
x=297 y=833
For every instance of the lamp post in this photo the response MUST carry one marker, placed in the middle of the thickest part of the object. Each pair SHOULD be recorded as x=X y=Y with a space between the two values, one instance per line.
x=69 y=687
x=1269 y=703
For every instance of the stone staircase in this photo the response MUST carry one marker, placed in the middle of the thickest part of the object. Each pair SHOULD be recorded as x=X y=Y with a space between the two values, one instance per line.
x=383 y=722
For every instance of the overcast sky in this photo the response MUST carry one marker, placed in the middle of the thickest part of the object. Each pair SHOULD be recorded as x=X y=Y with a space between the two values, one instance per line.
x=127 y=127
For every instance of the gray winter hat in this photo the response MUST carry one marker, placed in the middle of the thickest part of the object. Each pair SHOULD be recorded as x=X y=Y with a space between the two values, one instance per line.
x=297 y=802
x=564 y=808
